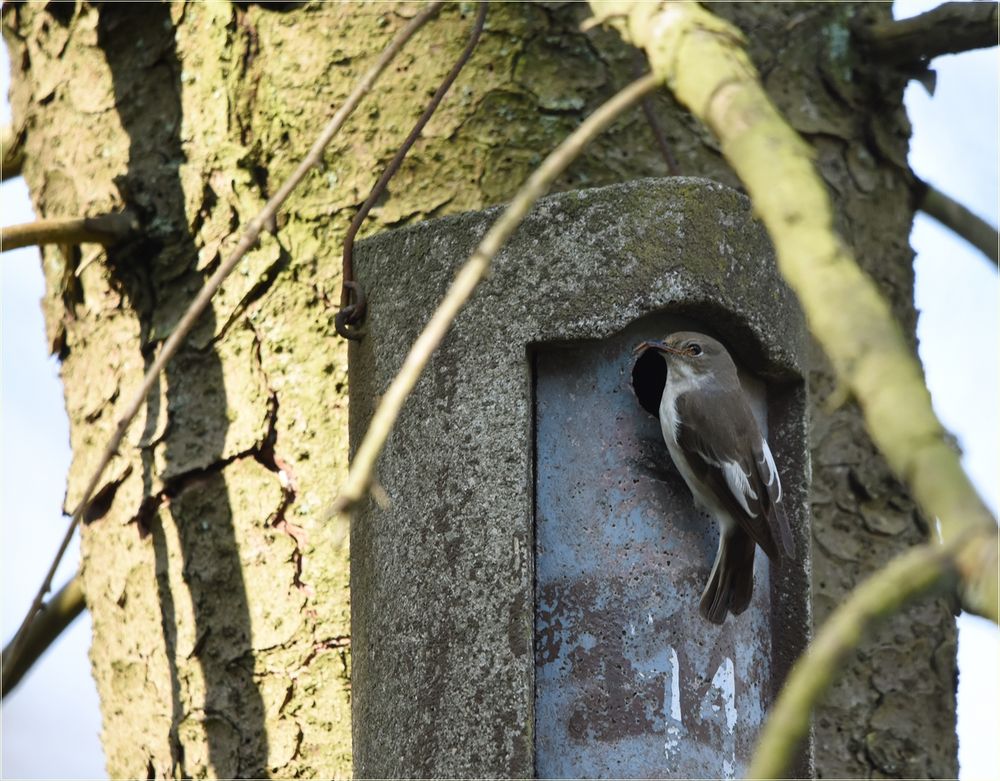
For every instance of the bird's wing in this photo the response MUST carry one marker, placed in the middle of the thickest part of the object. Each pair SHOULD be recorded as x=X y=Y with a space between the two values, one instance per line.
x=722 y=453
x=767 y=473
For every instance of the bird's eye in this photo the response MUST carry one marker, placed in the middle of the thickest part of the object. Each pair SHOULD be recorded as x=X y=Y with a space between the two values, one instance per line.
x=694 y=349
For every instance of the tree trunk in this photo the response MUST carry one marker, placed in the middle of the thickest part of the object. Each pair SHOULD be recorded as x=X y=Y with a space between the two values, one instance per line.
x=216 y=579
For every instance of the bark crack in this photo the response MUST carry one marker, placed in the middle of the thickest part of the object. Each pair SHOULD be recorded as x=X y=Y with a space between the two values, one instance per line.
x=267 y=456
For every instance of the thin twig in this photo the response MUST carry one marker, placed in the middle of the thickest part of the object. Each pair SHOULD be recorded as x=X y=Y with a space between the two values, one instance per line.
x=201 y=301
x=469 y=276
x=661 y=138
x=950 y=213
x=58 y=614
x=673 y=169
x=352 y=314
x=903 y=579
x=947 y=29
x=107 y=229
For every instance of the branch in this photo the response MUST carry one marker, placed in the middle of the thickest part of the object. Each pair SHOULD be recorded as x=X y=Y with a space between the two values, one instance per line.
x=52 y=619
x=948 y=29
x=201 y=301
x=660 y=137
x=673 y=169
x=702 y=58
x=906 y=577
x=950 y=213
x=352 y=314
x=107 y=229
x=11 y=152
x=359 y=477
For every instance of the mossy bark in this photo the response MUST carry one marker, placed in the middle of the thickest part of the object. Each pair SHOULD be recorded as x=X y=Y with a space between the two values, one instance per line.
x=217 y=584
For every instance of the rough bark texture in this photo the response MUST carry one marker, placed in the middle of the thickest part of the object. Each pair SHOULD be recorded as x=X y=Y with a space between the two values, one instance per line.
x=216 y=581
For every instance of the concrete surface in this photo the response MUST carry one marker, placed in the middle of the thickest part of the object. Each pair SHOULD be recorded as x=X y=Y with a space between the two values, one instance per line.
x=444 y=579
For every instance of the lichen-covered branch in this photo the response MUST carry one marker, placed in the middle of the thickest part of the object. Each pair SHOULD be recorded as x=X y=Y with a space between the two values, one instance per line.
x=950 y=213
x=58 y=614
x=905 y=578
x=201 y=301
x=468 y=278
x=947 y=29
x=107 y=229
x=702 y=59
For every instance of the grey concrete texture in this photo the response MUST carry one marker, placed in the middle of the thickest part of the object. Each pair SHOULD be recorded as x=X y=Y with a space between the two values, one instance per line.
x=442 y=578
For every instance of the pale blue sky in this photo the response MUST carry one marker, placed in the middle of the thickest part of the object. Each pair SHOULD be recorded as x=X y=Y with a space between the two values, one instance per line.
x=50 y=723
x=954 y=147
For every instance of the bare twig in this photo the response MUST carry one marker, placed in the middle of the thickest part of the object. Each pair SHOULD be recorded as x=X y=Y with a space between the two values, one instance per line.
x=11 y=152
x=673 y=169
x=950 y=213
x=905 y=578
x=201 y=301
x=686 y=44
x=469 y=276
x=58 y=614
x=661 y=138
x=107 y=229
x=352 y=314
x=947 y=29
x=703 y=60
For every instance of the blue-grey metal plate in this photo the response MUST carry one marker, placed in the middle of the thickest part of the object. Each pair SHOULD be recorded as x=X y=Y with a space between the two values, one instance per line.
x=631 y=681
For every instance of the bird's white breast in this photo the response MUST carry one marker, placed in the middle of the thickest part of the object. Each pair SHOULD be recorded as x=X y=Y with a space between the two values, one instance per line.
x=679 y=381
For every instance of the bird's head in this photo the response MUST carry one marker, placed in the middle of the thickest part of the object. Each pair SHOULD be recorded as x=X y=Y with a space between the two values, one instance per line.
x=691 y=353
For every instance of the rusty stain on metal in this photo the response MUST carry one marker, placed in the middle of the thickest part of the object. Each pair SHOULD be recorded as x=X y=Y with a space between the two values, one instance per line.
x=630 y=680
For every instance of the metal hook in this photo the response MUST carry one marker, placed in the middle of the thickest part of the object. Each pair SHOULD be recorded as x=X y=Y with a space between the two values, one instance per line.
x=353 y=314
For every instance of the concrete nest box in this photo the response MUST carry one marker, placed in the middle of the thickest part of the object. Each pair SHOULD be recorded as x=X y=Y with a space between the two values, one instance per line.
x=527 y=604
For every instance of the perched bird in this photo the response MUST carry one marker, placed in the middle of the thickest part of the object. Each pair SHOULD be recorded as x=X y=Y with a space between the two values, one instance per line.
x=714 y=440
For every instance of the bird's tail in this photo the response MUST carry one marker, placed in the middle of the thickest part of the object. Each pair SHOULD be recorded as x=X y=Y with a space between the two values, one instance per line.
x=730 y=585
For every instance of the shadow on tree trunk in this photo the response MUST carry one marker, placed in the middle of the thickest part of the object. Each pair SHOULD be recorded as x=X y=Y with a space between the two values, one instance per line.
x=216 y=705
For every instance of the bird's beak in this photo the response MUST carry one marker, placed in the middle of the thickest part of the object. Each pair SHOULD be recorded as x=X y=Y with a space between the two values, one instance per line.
x=654 y=344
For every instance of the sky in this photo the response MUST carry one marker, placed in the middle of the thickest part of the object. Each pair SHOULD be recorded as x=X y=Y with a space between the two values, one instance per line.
x=954 y=147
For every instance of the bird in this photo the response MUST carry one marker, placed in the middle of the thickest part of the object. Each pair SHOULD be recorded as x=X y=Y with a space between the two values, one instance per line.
x=715 y=442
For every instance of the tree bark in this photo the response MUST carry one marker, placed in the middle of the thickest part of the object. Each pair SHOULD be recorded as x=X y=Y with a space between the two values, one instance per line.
x=216 y=580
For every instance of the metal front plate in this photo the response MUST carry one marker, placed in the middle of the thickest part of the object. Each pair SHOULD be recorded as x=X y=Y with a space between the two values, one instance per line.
x=630 y=680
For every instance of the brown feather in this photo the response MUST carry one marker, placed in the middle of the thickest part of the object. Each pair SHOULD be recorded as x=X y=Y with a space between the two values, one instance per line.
x=731 y=585
x=710 y=439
